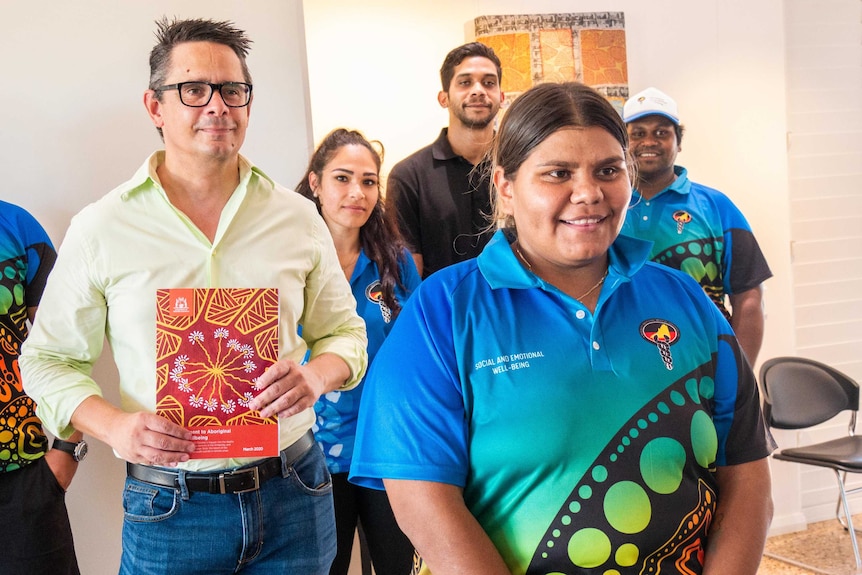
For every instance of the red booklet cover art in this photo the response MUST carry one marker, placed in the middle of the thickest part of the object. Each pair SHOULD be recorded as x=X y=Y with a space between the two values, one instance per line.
x=211 y=346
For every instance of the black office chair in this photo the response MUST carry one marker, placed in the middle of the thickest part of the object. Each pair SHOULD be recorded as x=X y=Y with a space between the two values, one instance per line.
x=800 y=393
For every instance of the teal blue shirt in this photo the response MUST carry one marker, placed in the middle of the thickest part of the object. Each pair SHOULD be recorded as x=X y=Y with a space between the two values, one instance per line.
x=699 y=231
x=584 y=442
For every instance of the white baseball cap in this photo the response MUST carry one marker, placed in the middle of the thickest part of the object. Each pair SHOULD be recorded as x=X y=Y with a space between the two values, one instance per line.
x=650 y=102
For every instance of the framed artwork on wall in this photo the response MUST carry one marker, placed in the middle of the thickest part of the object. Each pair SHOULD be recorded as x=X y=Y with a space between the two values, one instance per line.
x=588 y=47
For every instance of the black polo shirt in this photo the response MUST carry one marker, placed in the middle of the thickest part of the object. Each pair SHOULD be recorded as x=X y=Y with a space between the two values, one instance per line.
x=443 y=204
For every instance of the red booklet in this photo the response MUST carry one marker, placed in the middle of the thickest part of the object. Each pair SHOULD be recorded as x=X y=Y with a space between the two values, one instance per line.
x=211 y=346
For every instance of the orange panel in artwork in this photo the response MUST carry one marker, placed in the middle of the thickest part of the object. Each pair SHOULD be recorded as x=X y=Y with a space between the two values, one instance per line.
x=514 y=53
x=603 y=57
x=558 y=56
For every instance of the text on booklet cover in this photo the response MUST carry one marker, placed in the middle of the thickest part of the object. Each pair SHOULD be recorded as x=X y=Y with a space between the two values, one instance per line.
x=212 y=344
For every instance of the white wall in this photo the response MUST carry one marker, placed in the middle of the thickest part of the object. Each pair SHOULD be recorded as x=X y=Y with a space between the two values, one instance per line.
x=74 y=124
x=375 y=67
x=824 y=61
x=74 y=127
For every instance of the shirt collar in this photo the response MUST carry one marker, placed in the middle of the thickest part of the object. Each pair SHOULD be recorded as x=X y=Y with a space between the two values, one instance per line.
x=502 y=269
x=680 y=185
x=146 y=177
x=441 y=149
x=362 y=262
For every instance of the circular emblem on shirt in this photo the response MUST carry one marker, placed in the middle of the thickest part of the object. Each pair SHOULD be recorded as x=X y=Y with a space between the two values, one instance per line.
x=662 y=334
x=374 y=292
x=659 y=331
x=681 y=217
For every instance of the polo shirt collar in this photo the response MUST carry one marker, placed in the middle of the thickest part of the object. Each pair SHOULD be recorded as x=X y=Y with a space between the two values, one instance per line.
x=680 y=185
x=441 y=149
x=362 y=262
x=502 y=269
x=146 y=177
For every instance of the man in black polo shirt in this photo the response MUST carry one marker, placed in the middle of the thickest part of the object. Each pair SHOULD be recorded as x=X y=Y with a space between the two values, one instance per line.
x=441 y=193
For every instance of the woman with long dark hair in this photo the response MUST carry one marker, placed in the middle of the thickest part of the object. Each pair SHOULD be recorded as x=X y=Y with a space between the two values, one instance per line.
x=343 y=180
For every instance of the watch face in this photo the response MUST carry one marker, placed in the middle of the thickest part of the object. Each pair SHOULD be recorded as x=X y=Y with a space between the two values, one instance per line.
x=80 y=451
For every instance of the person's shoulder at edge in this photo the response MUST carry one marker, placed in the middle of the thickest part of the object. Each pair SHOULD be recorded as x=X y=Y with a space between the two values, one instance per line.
x=444 y=283
x=287 y=195
x=653 y=273
x=139 y=181
x=713 y=194
x=9 y=211
x=299 y=212
x=25 y=224
x=731 y=214
x=631 y=253
x=101 y=209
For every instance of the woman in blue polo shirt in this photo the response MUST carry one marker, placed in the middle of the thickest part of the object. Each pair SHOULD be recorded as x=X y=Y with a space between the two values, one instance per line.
x=561 y=405
x=343 y=180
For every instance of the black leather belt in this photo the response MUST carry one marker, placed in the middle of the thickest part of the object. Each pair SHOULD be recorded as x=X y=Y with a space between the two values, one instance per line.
x=236 y=481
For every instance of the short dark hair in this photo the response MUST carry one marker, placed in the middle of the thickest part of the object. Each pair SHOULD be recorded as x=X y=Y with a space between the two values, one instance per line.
x=461 y=53
x=170 y=33
x=680 y=130
x=541 y=111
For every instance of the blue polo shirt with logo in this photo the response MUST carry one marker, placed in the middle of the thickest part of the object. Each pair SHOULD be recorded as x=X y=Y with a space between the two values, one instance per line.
x=584 y=442
x=337 y=411
x=699 y=230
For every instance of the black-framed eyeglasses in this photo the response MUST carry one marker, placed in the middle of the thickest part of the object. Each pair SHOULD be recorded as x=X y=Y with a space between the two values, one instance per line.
x=199 y=94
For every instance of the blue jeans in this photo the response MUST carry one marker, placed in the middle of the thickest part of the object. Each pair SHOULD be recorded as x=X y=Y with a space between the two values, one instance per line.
x=287 y=526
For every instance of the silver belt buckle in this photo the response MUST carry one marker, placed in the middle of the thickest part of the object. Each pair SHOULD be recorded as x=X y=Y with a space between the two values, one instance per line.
x=255 y=480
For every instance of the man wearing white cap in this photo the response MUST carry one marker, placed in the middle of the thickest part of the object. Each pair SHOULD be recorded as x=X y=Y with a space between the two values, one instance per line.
x=693 y=228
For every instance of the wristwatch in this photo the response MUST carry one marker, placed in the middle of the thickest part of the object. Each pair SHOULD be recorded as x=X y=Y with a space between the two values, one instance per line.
x=78 y=450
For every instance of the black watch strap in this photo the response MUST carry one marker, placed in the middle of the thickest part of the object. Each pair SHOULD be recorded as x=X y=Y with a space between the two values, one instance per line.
x=77 y=450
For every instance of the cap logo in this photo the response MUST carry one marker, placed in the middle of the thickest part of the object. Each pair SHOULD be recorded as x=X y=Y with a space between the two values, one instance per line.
x=650 y=101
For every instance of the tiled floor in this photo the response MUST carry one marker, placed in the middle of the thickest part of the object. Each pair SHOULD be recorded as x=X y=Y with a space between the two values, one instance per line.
x=824 y=545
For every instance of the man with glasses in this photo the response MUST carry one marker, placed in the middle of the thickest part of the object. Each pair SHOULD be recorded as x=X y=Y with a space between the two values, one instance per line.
x=198 y=214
